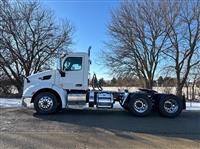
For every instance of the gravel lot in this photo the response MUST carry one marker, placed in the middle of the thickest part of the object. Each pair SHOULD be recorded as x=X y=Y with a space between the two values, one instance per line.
x=23 y=128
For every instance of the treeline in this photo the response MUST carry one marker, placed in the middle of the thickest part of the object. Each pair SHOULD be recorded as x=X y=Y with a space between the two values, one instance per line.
x=135 y=82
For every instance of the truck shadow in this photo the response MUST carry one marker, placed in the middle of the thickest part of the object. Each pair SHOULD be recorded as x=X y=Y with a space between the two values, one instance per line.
x=187 y=125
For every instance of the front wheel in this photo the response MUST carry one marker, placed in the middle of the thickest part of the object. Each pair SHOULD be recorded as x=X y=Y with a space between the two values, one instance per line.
x=140 y=105
x=45 y=103
x=170 y=106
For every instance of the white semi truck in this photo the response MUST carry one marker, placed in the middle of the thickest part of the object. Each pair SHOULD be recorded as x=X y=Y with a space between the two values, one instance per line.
x=49 y=91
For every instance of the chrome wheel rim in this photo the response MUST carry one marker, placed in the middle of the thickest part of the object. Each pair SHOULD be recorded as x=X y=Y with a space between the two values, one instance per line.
x=171 y=106
x=45 y=103
x=140 y=106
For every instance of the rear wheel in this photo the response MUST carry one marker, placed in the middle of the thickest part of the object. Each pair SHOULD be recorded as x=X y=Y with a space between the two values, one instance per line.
x=45 y=103
x=170 y=106
x=140 y=105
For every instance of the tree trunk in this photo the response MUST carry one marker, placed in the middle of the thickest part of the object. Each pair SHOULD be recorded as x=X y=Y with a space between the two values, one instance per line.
x=20 y=90
x=187 y=92
x=148 y=84
x=19 y=87
x=193 y=92
x=179 y=90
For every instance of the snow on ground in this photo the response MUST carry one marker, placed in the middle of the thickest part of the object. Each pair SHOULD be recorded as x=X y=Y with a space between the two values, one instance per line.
x=7 y=103
x=17 y=103
x=192 y=106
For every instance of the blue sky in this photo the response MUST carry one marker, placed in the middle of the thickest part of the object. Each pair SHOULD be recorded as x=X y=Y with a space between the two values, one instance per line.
x=90 y=19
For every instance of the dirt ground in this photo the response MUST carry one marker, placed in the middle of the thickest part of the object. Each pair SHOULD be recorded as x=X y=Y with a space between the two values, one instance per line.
x=23 y=128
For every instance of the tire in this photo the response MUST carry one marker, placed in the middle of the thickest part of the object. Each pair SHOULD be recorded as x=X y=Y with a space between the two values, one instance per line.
x=170 y=106
x=59 y=107
x=45 y=103
x=140 y=105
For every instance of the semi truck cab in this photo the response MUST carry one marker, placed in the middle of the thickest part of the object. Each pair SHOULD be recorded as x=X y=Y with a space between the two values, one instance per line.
x=49 y=91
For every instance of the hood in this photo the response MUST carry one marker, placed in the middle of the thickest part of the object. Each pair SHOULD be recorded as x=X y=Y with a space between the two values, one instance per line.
x=44 y=76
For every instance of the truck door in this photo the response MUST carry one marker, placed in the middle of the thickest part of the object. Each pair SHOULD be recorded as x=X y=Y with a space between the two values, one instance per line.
x=74 y=73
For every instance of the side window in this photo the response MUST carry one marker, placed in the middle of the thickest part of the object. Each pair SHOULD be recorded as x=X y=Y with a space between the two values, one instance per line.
x=72 y=64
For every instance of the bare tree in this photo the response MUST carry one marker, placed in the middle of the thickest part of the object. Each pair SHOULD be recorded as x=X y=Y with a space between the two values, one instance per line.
x=194 y=75
x=138 y=36
x=183 y=31
x=29 y=39
x=198 y=82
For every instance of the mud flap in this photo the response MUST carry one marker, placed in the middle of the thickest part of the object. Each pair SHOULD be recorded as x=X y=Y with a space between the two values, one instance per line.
x=184 y=102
